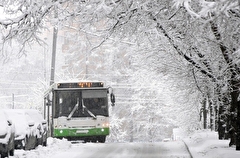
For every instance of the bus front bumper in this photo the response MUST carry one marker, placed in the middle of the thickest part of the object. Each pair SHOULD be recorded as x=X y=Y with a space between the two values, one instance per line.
x=68 y=132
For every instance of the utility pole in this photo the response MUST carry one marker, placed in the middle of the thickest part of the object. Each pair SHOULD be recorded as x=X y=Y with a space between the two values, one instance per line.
x=54 y=47
x=13 y=101
x=204 y=106
x=44 y=63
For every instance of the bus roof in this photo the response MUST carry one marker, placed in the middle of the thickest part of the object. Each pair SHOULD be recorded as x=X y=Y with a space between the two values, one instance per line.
x=75 y=85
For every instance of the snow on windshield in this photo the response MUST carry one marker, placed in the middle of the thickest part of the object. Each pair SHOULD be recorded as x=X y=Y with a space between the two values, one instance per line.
x=34 y=115
x=3 y=124
x=20 y=120
x=4 y=128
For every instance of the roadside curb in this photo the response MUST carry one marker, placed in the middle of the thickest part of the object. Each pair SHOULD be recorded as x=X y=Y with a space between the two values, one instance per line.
x=187 y=148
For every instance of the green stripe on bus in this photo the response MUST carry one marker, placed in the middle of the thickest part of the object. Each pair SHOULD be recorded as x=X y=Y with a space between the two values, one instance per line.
x=81 y=132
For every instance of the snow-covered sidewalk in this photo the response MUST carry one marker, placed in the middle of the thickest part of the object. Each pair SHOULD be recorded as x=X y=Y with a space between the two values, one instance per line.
x=205 y=144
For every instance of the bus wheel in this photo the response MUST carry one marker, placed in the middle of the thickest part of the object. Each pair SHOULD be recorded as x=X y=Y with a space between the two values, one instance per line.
x=94 y=140
x=11 y=152
x=102 y=139
x=86 y=141
x=45 y=143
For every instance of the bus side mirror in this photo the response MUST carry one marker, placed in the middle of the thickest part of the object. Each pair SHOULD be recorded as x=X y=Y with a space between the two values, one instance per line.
x=9 y=122
x=112 y=97
x=44 y=122
x=48 y=102
x=31 y=123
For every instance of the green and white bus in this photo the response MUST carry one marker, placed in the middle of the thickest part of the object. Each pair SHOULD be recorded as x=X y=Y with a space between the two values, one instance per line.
x=78 y=110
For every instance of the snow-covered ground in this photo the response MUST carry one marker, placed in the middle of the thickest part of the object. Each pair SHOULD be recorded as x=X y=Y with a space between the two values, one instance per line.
x=54 y=146
x=61 y=149
x=202 y=144
x=205 y=144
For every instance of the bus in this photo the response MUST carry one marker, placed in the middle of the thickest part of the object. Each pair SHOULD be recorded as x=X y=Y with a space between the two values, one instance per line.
x=78 y=110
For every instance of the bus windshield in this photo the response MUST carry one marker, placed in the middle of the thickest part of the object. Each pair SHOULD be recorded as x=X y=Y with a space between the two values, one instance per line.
x=81 y=103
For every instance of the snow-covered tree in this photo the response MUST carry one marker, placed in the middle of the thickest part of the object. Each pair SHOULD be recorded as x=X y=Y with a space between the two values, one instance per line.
x=190 y=44
x=222 y=20
x=99 y=23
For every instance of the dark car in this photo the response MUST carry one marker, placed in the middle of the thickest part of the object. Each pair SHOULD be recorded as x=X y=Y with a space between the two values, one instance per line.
x=40 y=125
x=7 y=135
x=25 y=131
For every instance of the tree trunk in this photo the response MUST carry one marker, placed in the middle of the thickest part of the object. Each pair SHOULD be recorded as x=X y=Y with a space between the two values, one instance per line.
x=211 y=115
x=216 y=110
x=205 y=113
x=224 y=118
x=221 y=123
x=233 y=86
x=238 y=127
x=234 y=116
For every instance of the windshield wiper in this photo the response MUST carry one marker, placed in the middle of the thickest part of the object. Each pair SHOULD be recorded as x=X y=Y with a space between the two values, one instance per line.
x=89 y=112
x=74 y=109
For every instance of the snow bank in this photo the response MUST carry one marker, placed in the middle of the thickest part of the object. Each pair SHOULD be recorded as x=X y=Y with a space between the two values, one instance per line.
x=54 y=146
x=205 y=144
x=202 y=144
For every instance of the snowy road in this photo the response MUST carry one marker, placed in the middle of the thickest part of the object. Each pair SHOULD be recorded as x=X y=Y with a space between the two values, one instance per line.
x=64 y=149
x=129 y=150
